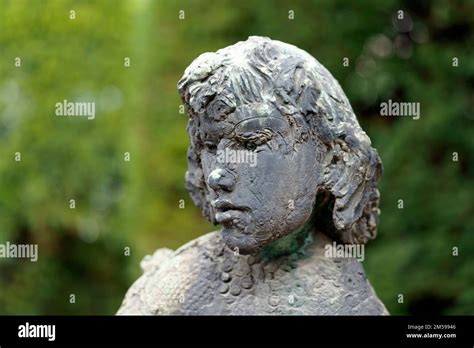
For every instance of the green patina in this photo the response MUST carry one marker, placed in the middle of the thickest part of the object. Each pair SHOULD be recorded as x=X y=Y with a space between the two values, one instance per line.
x=288 y=244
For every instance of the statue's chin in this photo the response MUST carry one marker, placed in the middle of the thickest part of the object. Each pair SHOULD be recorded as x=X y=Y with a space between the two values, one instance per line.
x=242 y=243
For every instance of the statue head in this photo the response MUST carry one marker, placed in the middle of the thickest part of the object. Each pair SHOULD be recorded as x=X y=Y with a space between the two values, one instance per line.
x=275 y=146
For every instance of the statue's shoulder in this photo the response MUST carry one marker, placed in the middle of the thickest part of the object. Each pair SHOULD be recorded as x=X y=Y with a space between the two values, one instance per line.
x=170 y=277
x=337 y=284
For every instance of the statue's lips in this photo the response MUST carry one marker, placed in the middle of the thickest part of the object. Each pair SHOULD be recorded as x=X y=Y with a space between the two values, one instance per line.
x=228 y=216
x=227 y=211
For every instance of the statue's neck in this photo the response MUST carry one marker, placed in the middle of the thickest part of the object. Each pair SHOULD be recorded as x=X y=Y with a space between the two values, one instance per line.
x=288 y=244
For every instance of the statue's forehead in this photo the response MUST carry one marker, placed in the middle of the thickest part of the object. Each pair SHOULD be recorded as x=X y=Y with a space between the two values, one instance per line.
x=245 y=118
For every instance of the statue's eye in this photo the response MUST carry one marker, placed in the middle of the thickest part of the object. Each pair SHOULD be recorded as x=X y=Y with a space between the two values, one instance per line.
x=252 y=140
x=250 y=146
x=210 y=146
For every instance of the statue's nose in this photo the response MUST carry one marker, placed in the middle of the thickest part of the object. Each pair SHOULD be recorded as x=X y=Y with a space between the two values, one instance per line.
x=221 y=179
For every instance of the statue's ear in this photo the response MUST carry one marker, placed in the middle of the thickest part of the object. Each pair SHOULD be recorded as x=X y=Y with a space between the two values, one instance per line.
x=351 y=179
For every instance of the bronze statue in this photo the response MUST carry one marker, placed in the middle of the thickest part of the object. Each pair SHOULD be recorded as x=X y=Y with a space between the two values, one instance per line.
x=278 y=159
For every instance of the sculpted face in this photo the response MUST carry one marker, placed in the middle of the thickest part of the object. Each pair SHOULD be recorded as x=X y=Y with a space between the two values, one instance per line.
x=270 y=129
x=269 y=197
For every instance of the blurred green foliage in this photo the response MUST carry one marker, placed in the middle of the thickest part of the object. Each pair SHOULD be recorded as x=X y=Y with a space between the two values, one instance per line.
x=135 y=204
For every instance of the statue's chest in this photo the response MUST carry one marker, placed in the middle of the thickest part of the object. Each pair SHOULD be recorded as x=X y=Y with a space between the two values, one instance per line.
x=244 y=286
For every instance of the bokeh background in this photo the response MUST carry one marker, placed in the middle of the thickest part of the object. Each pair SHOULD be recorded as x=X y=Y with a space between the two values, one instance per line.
x=135 y=204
